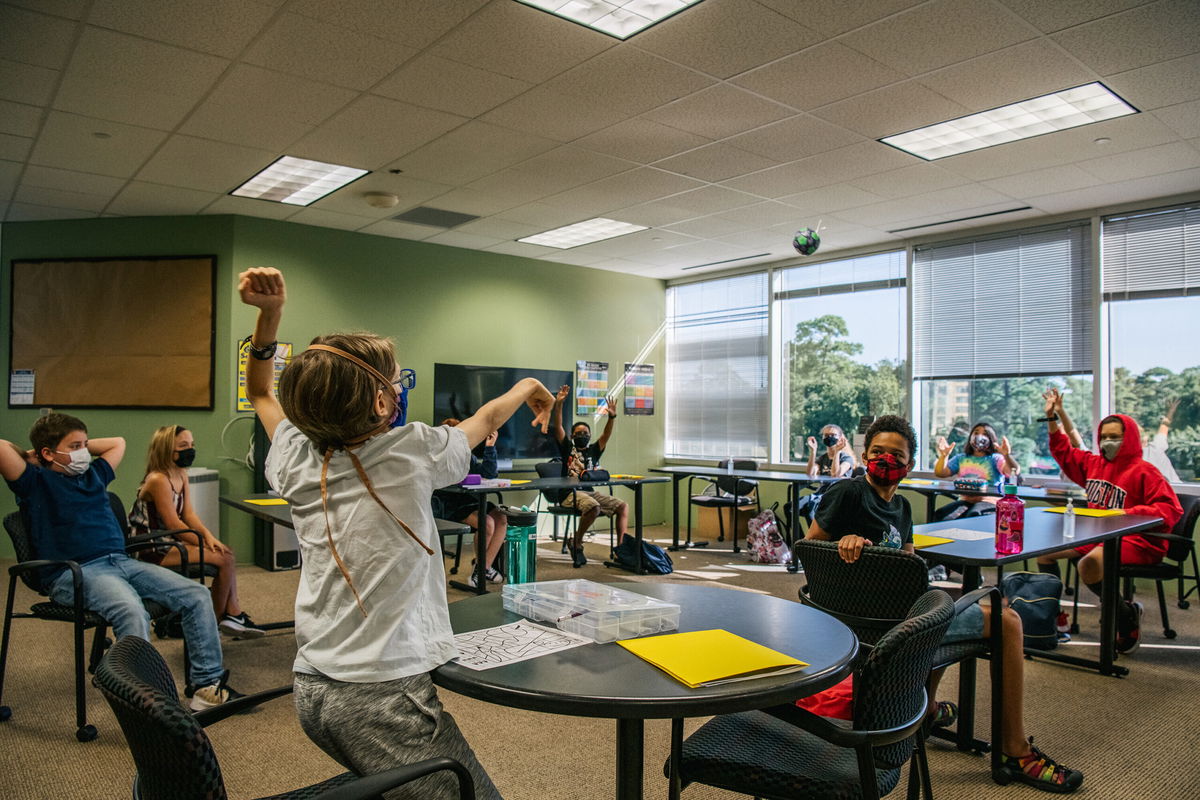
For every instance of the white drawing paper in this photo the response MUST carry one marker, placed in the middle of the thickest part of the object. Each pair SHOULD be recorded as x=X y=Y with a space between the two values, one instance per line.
x=512 y=643
x=962 y=534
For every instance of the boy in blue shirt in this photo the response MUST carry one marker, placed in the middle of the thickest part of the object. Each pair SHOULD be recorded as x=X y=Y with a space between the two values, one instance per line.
x=63 y=495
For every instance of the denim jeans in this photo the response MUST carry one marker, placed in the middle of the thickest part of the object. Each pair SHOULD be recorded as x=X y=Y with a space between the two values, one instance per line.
x=113 y=587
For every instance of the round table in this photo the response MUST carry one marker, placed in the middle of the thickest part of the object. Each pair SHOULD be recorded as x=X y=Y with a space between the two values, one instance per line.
x=605 y=680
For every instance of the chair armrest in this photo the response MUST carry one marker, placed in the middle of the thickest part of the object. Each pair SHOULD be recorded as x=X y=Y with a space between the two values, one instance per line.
x=970 y=598
x=1170 y=537
x=372 y=786
x=692 y=478
x=847 y=737
x=156 y=535
x=217 y=713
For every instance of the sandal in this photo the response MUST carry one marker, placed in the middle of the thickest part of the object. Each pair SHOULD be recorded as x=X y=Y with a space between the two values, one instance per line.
x=945 y=715
x=1042 y=772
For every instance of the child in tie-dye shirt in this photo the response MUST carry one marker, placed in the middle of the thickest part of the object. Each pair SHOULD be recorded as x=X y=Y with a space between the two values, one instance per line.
x=986 y=457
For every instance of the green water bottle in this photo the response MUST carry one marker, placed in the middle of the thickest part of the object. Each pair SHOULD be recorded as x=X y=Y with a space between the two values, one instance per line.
x=520 y=546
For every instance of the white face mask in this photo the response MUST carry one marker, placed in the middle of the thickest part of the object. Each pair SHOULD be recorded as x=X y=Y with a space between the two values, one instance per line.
x=81 y=459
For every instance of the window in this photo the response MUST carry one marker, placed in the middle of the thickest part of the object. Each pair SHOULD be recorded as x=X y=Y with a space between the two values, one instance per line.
x=995 y=321
x=1151 y=284
x=717 y=402
x=842 y=333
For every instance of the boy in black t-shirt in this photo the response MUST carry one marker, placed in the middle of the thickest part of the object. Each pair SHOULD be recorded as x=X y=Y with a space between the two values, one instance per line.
x=580 y=454
x=867 y=511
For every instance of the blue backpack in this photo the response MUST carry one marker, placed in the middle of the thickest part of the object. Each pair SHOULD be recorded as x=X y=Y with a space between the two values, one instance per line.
x=654 y=559
x=1035 y=597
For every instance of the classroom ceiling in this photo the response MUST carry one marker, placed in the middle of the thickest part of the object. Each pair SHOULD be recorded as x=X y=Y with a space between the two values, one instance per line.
x=724 y=129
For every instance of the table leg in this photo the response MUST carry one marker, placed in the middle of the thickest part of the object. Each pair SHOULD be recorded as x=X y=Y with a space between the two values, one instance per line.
x=637 y=525
x=480 y=570
x=630 y=743
x=675 y=512
x=674 y=765
x=964 y=734
x=1109 y=602
x=794 y=504
x=999 y=773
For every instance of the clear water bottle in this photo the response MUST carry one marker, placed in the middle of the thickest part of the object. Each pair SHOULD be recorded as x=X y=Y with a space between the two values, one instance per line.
x=520 y=546
x=1010 y=522
x=1068 y=529
x=729 y=465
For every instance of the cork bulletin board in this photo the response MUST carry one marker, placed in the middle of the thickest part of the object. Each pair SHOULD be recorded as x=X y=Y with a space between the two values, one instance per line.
x=113 y=333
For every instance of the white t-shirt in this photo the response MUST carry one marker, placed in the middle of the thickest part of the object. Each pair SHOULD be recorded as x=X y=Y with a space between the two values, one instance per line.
x=407 y=627
x=1156 y=453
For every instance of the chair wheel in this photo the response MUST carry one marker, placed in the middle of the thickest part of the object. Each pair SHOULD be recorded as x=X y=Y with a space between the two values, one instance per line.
x=5 y=713
x=1068 y=591
x=86 y=733
x=1169 y=633
x=1185 y=603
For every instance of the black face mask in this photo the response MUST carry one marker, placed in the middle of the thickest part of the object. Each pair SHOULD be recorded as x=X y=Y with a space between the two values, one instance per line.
x=581 y=440
x=830 y=439
x=184 y=458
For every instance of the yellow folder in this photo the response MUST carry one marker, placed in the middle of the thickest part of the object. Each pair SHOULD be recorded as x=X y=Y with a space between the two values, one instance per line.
x=269 y=501
x=626 y=477
x=1088 y=512
x=921 y=540
x=708 y=658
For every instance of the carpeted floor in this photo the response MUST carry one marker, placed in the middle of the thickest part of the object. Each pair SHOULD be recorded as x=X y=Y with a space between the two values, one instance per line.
x=1134 y=738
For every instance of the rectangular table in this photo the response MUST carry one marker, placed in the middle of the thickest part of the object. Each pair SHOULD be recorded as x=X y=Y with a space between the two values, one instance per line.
x=550 y=484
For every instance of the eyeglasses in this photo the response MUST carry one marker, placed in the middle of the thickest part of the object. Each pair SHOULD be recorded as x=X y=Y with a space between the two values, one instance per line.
x=407 y=379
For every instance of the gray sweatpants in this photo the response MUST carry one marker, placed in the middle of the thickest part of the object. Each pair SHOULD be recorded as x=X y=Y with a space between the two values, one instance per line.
x=372 y=727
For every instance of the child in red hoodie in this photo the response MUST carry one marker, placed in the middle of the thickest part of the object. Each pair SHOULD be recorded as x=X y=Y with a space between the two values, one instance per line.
x=1118 y=478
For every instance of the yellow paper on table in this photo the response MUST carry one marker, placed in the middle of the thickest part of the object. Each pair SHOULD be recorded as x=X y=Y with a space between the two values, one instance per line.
x=514 y=483
x=627 y=477
x=921 y=540
x=917 y=481
x=708 y=658
x=1088 y=512
x=269 y=501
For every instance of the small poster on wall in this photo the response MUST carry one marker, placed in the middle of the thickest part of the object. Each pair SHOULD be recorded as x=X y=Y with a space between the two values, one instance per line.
x=639 y=389
x=283 y=354
x=591 y=387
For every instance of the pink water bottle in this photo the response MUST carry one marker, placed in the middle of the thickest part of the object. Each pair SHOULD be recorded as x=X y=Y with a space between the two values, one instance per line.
x=1010 y=522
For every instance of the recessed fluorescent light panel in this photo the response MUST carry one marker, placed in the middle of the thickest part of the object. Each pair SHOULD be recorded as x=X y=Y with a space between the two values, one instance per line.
x=586 y=232
x=1069 y=108
x=298 y=181
x=618 y=18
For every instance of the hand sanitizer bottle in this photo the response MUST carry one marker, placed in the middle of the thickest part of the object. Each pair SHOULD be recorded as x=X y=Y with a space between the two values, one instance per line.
x=1068 y=528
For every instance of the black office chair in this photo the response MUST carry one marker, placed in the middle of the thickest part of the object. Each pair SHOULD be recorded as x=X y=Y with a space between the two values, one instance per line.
x=555 y=497
x=872 y=595
x=732 y=493
x=790 y=753
x=173 y=755
x=29 y=569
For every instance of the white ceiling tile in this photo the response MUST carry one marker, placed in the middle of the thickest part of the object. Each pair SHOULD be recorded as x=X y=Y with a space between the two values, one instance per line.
x=938 y=34
x=894 y=109
x=818 y=76
x=551 y=172
x=373 y=131
x=542 y=216
x=135 y=81
x=416 y=23
x=629 y=188
x=470 y=152
x=15 y=148
x=711 y=226
x=249 y=207
x=832 y=198
x=470 y=241
x=573 y=258
x=1176 y=156
x=67 y=142
x=1135 y=38
x=32 y=38
x=323 y=218
x=1183 y=118
x=641 y=140
x=71 y=9
x=473 y=201
x=542 y=112
x=255 y=107
x=642 y=81
x=931 y=207
x=725 y=38
x=220 y=27
x=520 y=42
x=1050 y=17
x=57 y=198
x=18 y=119
x=684 y=206
x=326 y=52
x=399 y=230
x=906 y=181
x=1120 y=192
x=9 y=171
x=1164 y=84
x=20 y=212
x=795 y=138
x=203 y=164
x=701 y=252
x=26 y=83
x=762 y=215
x=715 y=162
x=1043 y=181
x=832 y=17
x=450 y=86
x=71 y=181
x=1007 y=76
x=151 y=200
x=521 y=249
x=718 y=112
x=836 y=166
x=497 y=228
x=634 y=245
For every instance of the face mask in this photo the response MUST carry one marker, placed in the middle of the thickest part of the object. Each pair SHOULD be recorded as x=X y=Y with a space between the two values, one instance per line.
x=982 y=442
x=184 y=458
x=81 y=459
x=400 y=412
x=581 y=440
x=1109 y=448
x=830 y=439
x=887 y=469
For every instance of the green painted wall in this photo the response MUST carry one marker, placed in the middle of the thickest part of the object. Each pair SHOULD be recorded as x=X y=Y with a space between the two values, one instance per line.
x=441 y=304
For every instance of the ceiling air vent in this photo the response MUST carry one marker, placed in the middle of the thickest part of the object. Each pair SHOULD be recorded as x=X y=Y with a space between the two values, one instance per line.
x=435 y=217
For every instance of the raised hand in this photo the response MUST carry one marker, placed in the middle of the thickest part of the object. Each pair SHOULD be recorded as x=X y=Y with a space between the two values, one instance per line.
x=563 y=392
x=541 y=403
x=944 y=448
x=490 y=439
x=609 y=409
x=1004 y=447
x=812 y=443
x=1053 y=401
x=262 y=287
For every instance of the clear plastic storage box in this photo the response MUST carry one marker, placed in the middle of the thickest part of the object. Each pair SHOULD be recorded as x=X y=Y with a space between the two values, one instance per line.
x=599 y=612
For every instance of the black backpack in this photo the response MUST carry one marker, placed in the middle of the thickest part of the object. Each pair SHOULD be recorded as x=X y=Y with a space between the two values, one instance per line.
x=1035 y=596
x=654 y=559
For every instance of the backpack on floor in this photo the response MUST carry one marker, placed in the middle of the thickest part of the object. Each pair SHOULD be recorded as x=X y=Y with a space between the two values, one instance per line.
x=765 y=542
x=1035 y=596
x=654 y=559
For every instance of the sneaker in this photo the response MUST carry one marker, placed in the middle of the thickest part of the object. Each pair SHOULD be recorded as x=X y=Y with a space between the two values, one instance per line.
x=937 y=573
x=1062 y=623
x=493 y=575
x=1129 y=628
x=578 y=559
x=240 y=626
x=1042 y=772
x=214 y=695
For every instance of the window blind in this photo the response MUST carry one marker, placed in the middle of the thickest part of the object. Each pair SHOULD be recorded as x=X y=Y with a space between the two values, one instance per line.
x=1012 y=304
x=717 y=401
x=1151 y=254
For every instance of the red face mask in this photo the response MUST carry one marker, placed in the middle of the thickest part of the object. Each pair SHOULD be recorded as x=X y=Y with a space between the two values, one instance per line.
x=887 y=470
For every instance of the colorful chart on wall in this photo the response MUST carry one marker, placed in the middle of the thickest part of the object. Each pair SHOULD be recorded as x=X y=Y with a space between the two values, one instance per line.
x=639 y=389
x=283 y=355
x=591 y=387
